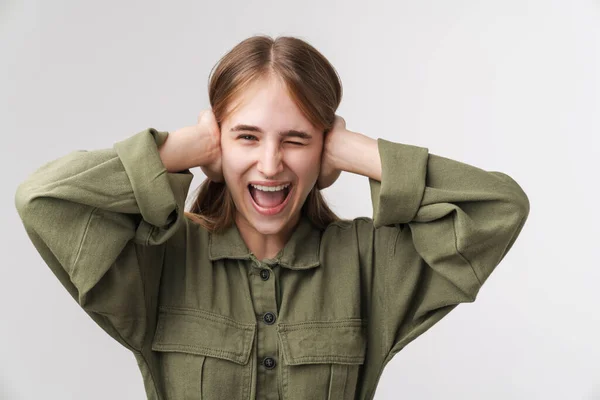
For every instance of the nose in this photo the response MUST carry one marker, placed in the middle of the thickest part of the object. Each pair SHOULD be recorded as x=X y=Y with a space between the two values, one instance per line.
x=270 y=160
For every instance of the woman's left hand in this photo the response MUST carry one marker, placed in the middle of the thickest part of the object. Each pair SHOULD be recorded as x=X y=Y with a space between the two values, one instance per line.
x=332 y=139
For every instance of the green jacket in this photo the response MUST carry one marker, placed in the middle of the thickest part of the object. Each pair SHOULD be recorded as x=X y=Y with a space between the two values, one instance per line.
x=207 y=320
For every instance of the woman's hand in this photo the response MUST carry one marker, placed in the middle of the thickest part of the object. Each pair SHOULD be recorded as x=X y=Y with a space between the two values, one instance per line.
x=333 y=140
x=209 y=131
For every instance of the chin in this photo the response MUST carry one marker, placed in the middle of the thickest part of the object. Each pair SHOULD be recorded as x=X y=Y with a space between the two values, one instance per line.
x=268 y=227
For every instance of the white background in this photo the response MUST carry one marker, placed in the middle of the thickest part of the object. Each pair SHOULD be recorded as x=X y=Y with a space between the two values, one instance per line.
x=507 y=85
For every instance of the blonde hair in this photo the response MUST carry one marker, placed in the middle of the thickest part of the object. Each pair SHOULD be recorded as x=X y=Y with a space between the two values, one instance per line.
x=312 y=83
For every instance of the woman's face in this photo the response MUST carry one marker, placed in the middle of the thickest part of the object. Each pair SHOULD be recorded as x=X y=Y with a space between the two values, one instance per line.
x=257 y=147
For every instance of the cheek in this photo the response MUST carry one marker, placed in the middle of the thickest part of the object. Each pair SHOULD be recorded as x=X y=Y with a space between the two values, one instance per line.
x=233 y=162
x=306 y=166
x=232 y=172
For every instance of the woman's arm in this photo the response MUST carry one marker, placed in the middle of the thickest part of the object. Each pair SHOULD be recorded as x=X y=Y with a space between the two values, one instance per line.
x=99 y=219
x=440 y=227
x=356 y=153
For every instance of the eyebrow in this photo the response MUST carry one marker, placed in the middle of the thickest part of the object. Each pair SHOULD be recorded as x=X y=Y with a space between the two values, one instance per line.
x=288 y=133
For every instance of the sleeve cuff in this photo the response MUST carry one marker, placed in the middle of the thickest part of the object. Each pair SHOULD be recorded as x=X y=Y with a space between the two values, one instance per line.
x=397 y=198
x=148 y=176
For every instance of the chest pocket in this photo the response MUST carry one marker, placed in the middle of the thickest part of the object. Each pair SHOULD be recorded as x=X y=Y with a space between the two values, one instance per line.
x=321 y=359
x=202 y=355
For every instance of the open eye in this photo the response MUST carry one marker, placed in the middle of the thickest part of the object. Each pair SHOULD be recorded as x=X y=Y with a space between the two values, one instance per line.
x=247 y=136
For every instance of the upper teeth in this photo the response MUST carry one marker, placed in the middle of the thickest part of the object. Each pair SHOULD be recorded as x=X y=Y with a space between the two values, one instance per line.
x=270 y=188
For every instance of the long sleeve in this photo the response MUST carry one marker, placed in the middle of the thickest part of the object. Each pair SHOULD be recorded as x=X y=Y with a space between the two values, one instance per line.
x=440 y=227
x=100 y=219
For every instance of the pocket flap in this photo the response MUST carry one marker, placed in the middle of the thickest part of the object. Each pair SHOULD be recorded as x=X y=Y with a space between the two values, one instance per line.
x=324 y=342
x=196 y=331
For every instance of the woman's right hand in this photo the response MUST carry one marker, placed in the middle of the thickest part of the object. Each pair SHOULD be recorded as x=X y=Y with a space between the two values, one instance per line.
x=209 y=129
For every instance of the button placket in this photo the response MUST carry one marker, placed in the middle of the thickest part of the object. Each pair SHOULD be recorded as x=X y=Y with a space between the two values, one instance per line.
x=263 y=290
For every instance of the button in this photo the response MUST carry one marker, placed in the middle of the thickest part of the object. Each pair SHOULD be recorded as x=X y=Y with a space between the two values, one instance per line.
x=269 y=318
x=264 y=274
x=269 y=363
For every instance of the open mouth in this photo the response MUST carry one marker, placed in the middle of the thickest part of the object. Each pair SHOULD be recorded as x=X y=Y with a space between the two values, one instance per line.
x=270 y=201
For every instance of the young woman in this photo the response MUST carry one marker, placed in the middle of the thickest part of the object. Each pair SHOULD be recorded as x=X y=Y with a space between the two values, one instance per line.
x=260 y=290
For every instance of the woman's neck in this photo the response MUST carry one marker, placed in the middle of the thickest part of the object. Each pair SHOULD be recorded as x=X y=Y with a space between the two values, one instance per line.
x=264 y=246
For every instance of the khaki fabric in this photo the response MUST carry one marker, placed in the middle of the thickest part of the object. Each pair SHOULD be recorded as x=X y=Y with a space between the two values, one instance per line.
x=205 y=319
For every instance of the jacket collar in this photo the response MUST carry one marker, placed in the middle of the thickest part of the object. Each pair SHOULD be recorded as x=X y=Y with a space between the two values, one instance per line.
x=300 y=252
